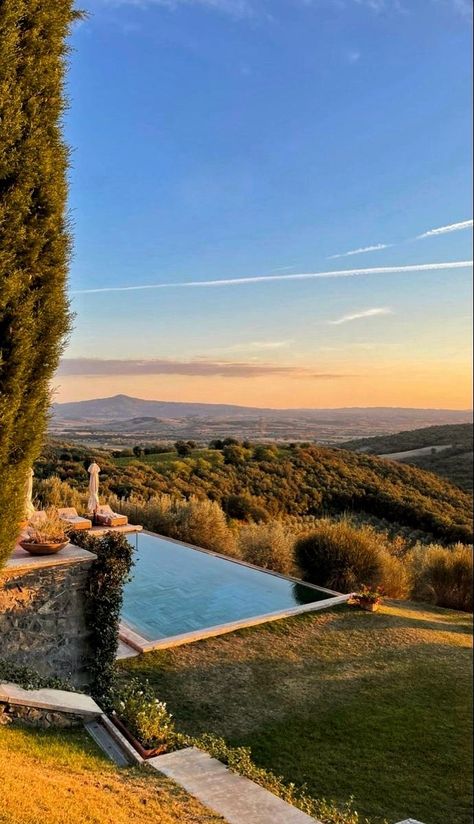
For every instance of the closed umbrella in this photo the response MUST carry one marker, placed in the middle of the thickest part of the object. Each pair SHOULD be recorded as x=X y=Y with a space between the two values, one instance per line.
x=29 y=508
x=93 y=501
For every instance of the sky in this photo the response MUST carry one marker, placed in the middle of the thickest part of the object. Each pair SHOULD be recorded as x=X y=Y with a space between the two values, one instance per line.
x=271 y=202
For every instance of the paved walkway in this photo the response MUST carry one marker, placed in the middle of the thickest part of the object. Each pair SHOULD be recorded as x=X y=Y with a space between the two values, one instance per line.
x=236 y=798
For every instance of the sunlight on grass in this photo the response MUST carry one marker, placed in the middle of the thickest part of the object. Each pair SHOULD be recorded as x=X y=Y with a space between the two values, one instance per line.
x=53 y=777
x=350 y=703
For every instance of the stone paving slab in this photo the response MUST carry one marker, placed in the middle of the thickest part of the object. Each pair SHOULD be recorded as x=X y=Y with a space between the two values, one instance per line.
x=237 y=799
x=52 y=700
x=125 y=651
x=20 y=559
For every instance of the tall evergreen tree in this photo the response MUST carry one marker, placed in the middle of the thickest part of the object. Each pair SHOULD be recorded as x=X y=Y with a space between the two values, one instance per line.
x=34 y=236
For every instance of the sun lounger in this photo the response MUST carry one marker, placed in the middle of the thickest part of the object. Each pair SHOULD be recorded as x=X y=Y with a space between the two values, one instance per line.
x=105 y=516
x=69 y=514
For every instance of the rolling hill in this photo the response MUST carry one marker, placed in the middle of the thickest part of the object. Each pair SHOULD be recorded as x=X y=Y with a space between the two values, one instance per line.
x=444 y=450
x=312 y=480
x=115 y=421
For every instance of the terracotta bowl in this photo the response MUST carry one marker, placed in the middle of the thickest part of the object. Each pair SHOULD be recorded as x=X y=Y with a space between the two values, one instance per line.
x=43 y=549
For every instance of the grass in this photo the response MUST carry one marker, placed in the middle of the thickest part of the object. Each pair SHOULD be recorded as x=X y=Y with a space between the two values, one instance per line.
x=166 y=458
x=53 y=777
x=350 y=703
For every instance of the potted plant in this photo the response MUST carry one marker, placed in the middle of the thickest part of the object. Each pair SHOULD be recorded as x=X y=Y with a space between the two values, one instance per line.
x=369 y=599
x=143 y=719
x=46 y=534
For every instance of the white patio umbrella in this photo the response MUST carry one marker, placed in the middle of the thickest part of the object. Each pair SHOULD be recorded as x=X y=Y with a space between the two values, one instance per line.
x=29 y=508
x=93 y=501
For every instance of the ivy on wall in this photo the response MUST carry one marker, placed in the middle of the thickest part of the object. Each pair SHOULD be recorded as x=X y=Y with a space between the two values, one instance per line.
x=107 y=577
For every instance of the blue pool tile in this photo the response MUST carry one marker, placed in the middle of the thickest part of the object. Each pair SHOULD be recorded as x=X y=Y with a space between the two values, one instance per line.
x=176 y=589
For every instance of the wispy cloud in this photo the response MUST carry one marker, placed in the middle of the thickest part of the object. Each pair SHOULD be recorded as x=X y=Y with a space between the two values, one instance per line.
x=101 y=367
x=341 y=273
x=365 y=313
x=376 y=248
x=444 y=230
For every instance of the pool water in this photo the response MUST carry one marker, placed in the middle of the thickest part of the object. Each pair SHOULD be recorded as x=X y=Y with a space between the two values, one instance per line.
x=176 y=589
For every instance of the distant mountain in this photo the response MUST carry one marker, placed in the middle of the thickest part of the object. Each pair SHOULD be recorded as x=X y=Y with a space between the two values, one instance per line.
x=125 y=408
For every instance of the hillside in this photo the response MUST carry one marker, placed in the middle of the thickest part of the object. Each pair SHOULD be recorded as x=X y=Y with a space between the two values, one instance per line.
x=291 y=481
x=448 y=450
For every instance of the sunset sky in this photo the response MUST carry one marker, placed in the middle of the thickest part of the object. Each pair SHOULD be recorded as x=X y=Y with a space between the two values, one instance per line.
x=271 y=202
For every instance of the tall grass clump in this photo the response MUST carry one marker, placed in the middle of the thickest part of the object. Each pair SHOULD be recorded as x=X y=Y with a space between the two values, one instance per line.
x=443 y=576
x=35 y=241
x=270 y=546
x=54 y=492
x=203 y=523
x=197 y=521
x=337 y=555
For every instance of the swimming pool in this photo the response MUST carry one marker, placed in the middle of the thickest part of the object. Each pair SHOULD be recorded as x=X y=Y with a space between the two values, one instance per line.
x=179 y=593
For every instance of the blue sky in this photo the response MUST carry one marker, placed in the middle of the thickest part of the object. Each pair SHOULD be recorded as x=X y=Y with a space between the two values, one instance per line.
x=228 y=139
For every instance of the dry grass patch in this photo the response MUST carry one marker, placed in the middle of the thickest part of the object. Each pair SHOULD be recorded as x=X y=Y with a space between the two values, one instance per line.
x=57 y=777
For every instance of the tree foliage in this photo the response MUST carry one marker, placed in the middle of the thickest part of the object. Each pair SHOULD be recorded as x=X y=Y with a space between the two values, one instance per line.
x=35 y=241
x=311 y=481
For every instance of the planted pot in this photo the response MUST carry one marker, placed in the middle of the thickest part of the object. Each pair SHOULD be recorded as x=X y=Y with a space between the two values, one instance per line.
x=369 y=606
x=143 y=751
x=47 y=548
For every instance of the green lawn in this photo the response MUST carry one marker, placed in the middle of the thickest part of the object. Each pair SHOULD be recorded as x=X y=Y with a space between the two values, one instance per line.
x=59 y=777
x=164 y=458
x=350 y=703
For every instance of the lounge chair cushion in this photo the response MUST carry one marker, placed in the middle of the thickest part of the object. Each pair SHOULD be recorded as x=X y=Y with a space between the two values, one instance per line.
x=69 y=514
x=105 y=516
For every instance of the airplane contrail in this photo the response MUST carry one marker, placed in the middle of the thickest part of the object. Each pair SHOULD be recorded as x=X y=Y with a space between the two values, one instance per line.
x=340 y=273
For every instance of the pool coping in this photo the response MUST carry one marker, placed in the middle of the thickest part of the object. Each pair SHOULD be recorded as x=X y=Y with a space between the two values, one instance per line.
x=141 y=644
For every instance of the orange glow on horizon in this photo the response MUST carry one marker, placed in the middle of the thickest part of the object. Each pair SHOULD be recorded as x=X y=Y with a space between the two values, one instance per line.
x=431 y=385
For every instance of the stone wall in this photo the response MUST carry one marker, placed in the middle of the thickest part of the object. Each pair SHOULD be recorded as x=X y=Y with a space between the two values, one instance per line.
x=43 y=622
x=35 y=717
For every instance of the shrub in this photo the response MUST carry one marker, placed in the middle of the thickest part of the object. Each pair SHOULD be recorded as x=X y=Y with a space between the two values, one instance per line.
x=270 y=546
x=54 y=492
x=29 y=679
x=337 y=555
x=245 y=508
x=145 y=716
x=203 y=523
x=443 y=576
x=107 y=577
x=198 y=521
x=395 y=577
x=157 y=514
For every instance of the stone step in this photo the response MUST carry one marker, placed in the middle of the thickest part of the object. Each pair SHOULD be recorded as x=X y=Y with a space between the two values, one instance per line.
x=107 y=744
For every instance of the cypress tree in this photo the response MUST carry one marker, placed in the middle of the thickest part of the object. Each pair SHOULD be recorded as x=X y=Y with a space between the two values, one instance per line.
x=34 y=236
